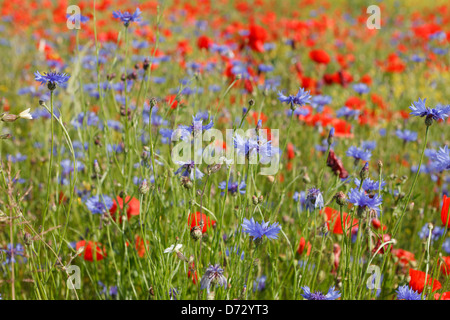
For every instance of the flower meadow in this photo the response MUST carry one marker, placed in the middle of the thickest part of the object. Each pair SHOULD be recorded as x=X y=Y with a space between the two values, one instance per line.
x=136 y=138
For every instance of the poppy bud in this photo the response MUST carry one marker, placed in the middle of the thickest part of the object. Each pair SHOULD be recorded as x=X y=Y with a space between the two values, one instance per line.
x=196 y=233
x=254 y=200
x=341 y=198
x=186 y=183
x=260 y=199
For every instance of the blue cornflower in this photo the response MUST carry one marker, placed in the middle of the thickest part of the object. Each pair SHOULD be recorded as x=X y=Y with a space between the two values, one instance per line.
x=370 y=185
x=99 y=204
x=331 y=294
x=441 y=159
x=319 y=101
x=233 y=187
x=78 y=122
x=301 y=98
x=259 y=283
x=213 y=276
x=361 y=88
x=197 y=124
x=166 y=135
x=347 y=112
x=250 y=147
x=359 y=153
x=436 y=233
x=127 y=17
x=298 y=112
x=111 y=293
x=368 y=145
x=114 y=125
x=173 y=293
x=235 y=251
x=314 y=199
x=440 y=112
x=52 y=79
x=258 y=230
x=446 y=246
x=83 y=19
x=299 y=196
x=186 y=169
x=406 y=135
x=407 y=293
x=363 y=200
x=12 y=253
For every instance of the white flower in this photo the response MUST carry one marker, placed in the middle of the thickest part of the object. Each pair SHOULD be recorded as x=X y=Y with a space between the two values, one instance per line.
x=25 y=114
x=173 y=248
x=228 y=162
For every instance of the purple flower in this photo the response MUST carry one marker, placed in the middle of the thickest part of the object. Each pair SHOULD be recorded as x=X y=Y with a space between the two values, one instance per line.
x=406 y=135
x=197 y=124
x=359 y=153
x=260 y=283
x=187 y=169
x=99 y=204
x=361 y=88
x=258 y=230
x=12 y=253
x=407 y=293
x=233 y=187
x=441 y=159
x=370 y=185
x=127 y=17
x=314 y=199
x=213 y=276
x=419 y=109
x=363 y=200
x=51 y=79
x=331 y=294
x=301 y=98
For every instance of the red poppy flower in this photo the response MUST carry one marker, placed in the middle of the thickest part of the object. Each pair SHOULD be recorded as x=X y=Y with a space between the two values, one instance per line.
x=171 y=101
x=334 y=218
x=256 y=37
x=140 y=246
x=445 y=268
x=204 y=42
x=417 y=282
x=132 y=205
x=382 y=249
x=290 y=151
x=444 y=296
x=302 y=245
x=405 y=257
x=319 y=56
x=194 y=220
x=88 y=256
x=192 y=273
x=445 y=210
